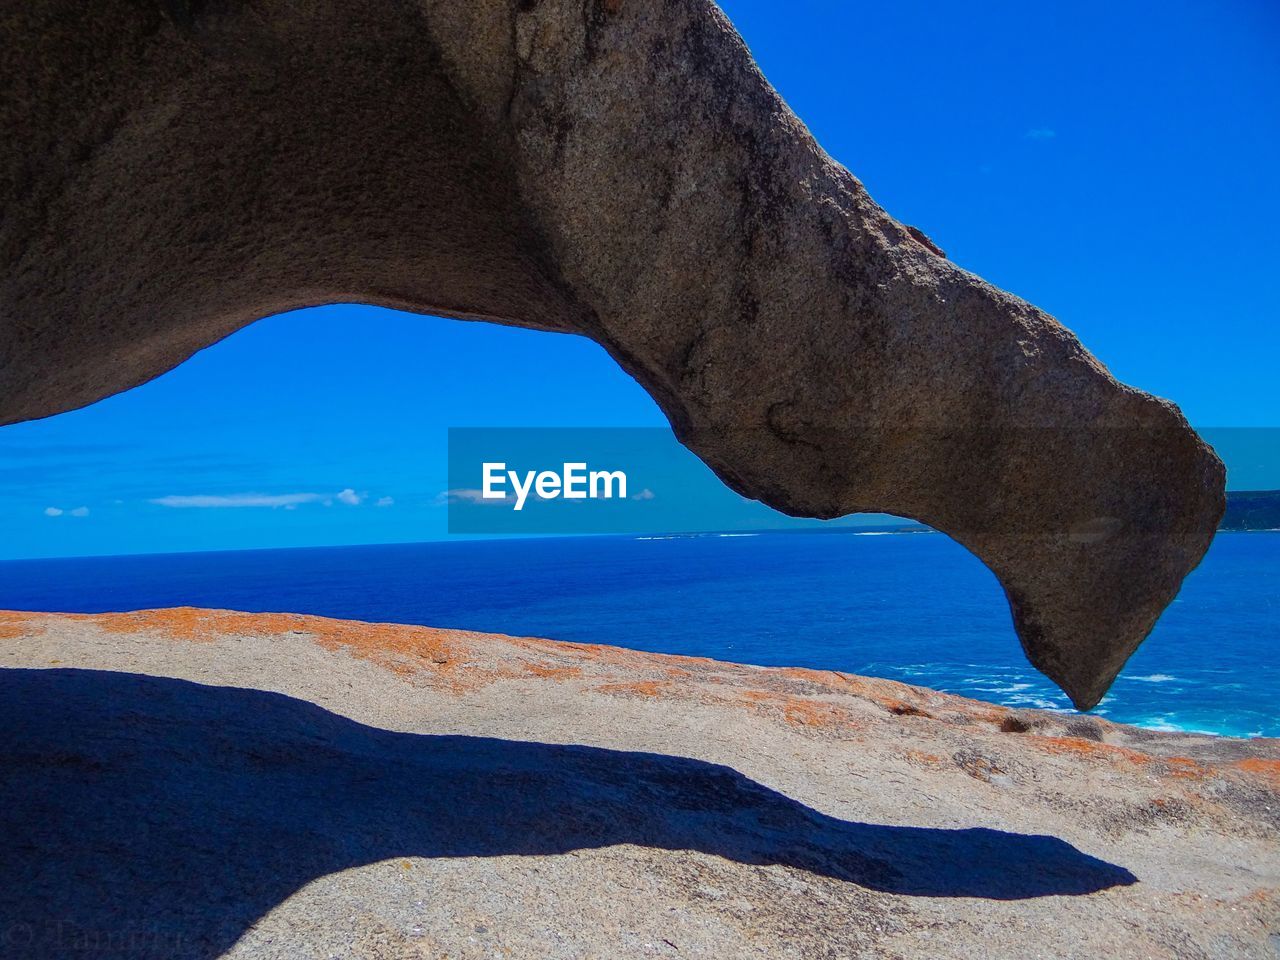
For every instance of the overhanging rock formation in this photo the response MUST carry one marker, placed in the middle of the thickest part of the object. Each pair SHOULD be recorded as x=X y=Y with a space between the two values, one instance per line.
x=616 y=168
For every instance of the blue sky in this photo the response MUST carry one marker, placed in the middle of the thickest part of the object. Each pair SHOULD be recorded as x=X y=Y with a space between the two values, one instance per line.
x=1113 y=163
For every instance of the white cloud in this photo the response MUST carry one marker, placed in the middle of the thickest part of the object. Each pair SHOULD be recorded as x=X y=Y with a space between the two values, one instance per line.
x=289 y=501
x=80 y=512
x=53 y=511
x=1040 y=133
x=645 y=494
x=59 y=512
x=385 y=502
x=474 y=496
x=239 y=500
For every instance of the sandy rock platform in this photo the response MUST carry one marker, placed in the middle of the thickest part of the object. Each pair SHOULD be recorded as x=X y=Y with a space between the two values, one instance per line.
x=197 y=783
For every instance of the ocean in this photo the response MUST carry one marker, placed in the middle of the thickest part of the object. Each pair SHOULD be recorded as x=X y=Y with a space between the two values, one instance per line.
x=915 y=607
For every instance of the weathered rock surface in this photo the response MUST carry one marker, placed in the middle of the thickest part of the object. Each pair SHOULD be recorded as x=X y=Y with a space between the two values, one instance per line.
x=186 y=784
x=171 y=171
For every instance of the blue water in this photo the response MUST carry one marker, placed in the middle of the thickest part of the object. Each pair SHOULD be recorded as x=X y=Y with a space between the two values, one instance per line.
x=913 y=607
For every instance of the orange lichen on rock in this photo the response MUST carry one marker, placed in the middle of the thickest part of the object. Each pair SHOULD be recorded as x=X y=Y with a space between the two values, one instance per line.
x=602 y=653
x=1184 y=768
x=14 y=625
x=900 y=699
x=637 y=688
x=401 y=648
x=925 y=759
x=1260 y=894
x=795 y=710
x=813 y=713
x=1090 y=749
x=874 y=689
x=1261 y=767
x=798 y=711
x=1178 y=768
x=550 y=672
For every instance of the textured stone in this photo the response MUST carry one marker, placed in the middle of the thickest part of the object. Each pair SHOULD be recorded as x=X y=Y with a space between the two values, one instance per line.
x=188 y=784
x=617 y=169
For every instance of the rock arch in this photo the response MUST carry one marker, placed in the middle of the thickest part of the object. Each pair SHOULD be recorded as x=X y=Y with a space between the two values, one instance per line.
x=175 y=169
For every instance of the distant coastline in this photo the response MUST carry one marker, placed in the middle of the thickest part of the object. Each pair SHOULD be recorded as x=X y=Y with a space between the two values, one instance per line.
x=1248 y=511
x=1252 y=510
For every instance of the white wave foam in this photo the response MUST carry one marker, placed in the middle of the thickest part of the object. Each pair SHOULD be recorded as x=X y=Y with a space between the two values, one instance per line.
x=1165 y=723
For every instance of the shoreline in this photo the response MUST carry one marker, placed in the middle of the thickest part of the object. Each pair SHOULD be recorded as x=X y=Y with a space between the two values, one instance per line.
x=414 y=650
x=1160 y=724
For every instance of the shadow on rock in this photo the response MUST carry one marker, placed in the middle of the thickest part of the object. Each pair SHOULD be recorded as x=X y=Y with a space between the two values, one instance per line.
x=145 y=816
